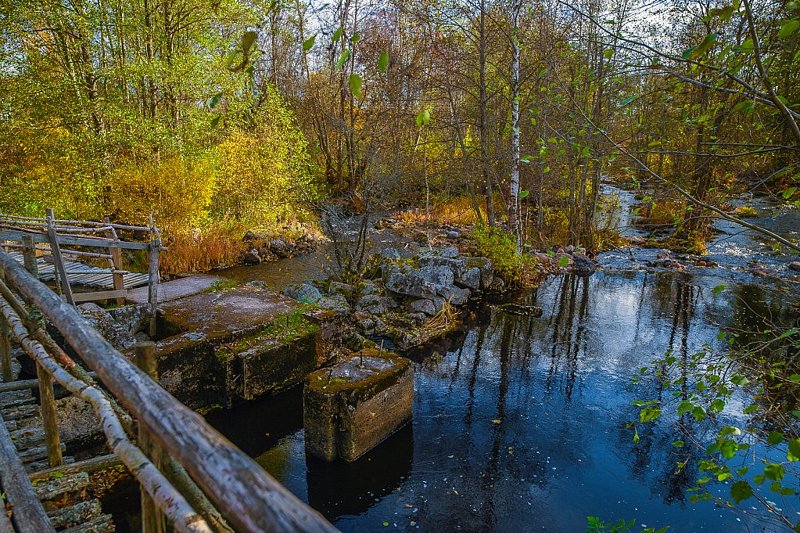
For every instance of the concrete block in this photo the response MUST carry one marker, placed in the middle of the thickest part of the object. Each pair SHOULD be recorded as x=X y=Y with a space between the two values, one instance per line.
x=352 y=407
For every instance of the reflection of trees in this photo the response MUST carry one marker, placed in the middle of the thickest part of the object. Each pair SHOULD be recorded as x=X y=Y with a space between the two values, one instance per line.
x=568 y=328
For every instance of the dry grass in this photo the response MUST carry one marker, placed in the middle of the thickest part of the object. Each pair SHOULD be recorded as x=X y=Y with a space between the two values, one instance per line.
x=203 y=250
x=456 y=211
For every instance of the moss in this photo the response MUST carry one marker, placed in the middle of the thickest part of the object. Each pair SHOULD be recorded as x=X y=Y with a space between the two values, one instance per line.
x=362 y=388
x=221 y=285
x=282 y=329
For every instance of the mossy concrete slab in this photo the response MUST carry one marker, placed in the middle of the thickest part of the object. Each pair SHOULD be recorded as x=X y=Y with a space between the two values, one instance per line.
x=352 y=407
x=241 y=342
x=225 y=314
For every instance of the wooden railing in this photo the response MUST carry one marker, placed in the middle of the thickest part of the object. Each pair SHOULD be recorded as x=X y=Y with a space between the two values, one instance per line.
x=190 y=474
x=89 y=240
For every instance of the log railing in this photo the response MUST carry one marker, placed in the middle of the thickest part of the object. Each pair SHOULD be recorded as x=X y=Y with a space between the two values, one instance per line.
x=88 y=240
x=189 y=473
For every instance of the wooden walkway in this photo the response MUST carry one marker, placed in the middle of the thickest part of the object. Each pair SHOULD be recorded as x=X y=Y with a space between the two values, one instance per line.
x=63 y=495
x=81 y=274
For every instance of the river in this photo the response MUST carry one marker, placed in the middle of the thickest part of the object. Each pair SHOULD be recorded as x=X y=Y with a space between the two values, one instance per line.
x=520 y=423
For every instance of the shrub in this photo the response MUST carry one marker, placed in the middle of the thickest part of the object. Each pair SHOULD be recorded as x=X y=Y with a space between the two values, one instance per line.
x=500 y=247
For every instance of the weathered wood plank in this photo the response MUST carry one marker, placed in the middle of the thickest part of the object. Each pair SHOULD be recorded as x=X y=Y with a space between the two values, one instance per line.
x=47 y=404
x=79 y=513
x=71 y=240
x=101 y=524
x=89 y=466
x=99 y=295
x=55 y=487
x=29 y=515
x=59 y=261
x=249 y=498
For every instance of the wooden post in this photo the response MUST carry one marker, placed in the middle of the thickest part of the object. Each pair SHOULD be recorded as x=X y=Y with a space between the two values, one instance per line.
x=116 y=260
x=47 y=406
x=29 y=255
x=57 y=259
x=152 y=519
x=152 y=294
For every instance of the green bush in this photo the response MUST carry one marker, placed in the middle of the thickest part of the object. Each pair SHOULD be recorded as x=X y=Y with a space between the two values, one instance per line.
x=500 y=247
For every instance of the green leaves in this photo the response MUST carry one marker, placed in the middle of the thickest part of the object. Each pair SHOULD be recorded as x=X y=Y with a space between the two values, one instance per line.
x=793 y=454
x=740 y=491
x=214 y=100
x=354 y=83
x=337 y=35
x=423 y=118
x=788 y=28
x=308 y=44
x=718 y=289
x=383 y=62
x=342 y=58
x=701 y=48
x=248 y=40
x=563 y=261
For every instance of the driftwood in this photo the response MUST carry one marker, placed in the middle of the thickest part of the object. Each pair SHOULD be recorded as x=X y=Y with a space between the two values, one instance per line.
x=183 y=517
x=247 y=496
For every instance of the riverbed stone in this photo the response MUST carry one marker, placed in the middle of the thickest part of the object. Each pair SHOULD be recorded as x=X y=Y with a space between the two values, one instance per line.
x=470 y=278
x=794 y=265
x=372 y=303
x=423 y=305
x=335 y=302
x=303 y=292
x=337 y=287
x=485 y=266
x=252 y=257
x=352 y=407
x=582 y=265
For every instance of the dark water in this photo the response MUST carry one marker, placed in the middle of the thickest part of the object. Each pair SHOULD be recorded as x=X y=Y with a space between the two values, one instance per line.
x=519 y=423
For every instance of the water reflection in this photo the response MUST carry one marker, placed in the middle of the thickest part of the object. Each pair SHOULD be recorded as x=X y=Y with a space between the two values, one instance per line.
x=520 y=423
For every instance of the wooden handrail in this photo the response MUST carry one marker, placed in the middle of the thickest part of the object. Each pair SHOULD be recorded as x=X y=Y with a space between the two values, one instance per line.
x=249 y=498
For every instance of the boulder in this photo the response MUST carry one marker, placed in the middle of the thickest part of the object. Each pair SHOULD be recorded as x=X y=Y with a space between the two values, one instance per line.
x=425 y=282
x=249 y=237
x=485 y=266
x=252 y=257
x=423 y=305
x=457 y=295
x=372 y=303
x=303 y=292
x=344 y=289
x=335 y=302
x=470 y=278
x=279 y=248
x=583 y=266
x=794 y=265
x=119 y=335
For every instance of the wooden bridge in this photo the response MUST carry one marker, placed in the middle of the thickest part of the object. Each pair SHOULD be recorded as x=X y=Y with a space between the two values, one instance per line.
x=190 y=476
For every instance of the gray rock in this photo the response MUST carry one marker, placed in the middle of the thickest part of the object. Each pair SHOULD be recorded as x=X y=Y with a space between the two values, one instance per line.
x=117 y=334
x=583 y=266
x=457 y=295
x=279 y=248
x=371 y=303
x=135 y=318
x=249 y=236
x=470 y=278
x=335 y=302
x=367 y=287
x=423 y=305
x=410 y=284
x=794 y=265
x=252 y=257
x=452 y=234
x=344 y=289
x=485 y=266
x=303 y=292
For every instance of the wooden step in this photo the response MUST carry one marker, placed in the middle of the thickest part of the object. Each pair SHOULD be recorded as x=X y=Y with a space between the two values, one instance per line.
x=101 y=524
x=16 y=402
x=55 y=487
x=36 y=453
x=44 y=464
x=21 y=412
x=14 y=395
x=28 y=437
x=77 y=514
